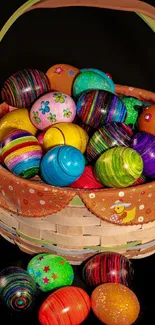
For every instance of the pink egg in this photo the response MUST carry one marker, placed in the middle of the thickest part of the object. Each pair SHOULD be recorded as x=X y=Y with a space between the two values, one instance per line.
x=51 y=108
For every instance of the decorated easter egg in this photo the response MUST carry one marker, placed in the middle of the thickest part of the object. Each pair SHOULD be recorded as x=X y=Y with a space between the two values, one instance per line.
x=104 y=75
x=62 y=165
x=107 y=267
x=89 y=130
x=65 y=133
x=107 y=136
x=52 y=108
x=141 y=180
x=87 y=180
x=146 y=121
x=144 y=144
x=68 y=306
x=118 y=167
x=4 y=109
x=61 y=77
x=115 y=304
x=21 y=153
x=40 y=138
x=17 y=288
x=50 y=271
x=16 y=119
x=134 y=106
x=24 y=87
x=89 y=80
x=98 y=107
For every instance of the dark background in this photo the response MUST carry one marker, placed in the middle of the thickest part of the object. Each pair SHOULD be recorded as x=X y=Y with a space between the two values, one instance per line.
x=116 y=42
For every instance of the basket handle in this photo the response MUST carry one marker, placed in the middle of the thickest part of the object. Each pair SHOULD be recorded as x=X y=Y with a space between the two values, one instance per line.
x=144 y=10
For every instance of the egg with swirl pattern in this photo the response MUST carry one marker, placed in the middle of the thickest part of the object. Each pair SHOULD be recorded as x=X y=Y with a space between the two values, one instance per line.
x=17 y=288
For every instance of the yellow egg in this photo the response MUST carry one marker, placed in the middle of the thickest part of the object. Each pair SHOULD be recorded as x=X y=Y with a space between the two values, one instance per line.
x=67 y=134
x=18 y=119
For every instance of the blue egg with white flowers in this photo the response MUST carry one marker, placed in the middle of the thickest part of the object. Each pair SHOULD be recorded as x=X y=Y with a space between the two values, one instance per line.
x=62 y=165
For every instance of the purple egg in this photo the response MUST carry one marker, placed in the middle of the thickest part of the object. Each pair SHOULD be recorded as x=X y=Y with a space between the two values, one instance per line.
x=144 y=144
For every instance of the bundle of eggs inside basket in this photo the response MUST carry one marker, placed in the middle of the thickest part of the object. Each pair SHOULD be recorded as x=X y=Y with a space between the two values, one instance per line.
x=69 y=127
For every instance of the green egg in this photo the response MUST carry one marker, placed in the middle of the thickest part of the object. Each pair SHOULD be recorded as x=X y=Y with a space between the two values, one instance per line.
x=50 y=271
x=89 y=80
x=118 y=167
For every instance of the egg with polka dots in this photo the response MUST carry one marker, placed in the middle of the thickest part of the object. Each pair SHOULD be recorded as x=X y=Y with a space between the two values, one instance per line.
x=50 y=271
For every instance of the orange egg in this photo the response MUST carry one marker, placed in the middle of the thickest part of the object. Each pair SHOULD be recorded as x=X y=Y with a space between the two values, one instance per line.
x=115 y=304
x=146 y=121
x=61 y=77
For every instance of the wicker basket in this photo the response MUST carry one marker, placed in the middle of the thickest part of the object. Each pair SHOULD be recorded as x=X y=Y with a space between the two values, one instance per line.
x=77 y=224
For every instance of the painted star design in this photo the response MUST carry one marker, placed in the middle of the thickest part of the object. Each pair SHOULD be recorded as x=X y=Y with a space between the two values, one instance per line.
x=46 y=280
x=71 y=72
x=54 y=276
x=38 y=274
x=46 y=268
x=41 y=258
x=62 y=262
x=58 y=70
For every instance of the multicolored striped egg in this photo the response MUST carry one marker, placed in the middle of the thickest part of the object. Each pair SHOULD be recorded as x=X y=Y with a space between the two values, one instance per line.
x=24 y=87
x=108 y=136
x=107 y=267
x=21 y=153
x=98 y=107
x=118 y=167
x=54 y=107
x=67 y=134
x=17 y=288
x=62 y=165
x=89 y=80
x=66 y=306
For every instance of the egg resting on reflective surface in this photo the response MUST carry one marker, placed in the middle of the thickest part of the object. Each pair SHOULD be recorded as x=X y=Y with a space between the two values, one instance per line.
x=115 y=304
x=66 y=306
x=17 y=288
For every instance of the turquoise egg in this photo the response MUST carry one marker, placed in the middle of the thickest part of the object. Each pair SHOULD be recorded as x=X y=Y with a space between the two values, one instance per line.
x=90 y=80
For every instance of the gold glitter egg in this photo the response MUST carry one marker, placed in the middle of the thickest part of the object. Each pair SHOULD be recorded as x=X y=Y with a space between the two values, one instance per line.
x=115 y=304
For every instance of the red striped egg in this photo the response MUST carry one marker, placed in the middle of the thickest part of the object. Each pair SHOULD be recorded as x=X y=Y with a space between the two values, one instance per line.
x=66 y=306
x=107 y=267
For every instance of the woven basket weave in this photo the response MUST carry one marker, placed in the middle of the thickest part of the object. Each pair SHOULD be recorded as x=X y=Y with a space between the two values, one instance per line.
x=78 y=223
